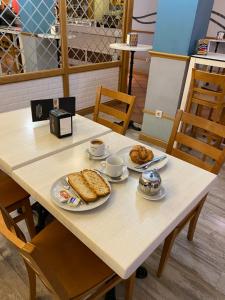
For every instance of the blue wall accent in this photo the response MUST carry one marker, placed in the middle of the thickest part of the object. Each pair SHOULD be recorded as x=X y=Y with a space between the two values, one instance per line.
x=201 y=24
x=42 y=15
x=180 y=24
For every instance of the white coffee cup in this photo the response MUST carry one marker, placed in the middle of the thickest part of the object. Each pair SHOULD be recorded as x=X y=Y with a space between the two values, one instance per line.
x=97 y=147
x=113 y=166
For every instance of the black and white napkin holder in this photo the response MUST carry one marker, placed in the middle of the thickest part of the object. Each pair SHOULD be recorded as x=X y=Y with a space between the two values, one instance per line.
x=61 y=123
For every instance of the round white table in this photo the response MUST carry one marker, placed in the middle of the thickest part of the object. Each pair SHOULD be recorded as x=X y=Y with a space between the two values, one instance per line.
x=132 y=50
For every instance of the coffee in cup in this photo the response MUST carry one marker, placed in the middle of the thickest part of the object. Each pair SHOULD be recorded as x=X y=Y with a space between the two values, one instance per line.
x=113 y=166
x=97 y=147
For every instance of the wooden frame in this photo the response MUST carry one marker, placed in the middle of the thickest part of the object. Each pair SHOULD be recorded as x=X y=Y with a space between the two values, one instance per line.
x=192 y=219
x=177 y=139
x=196 y=60
x=169 y=55
x=37 y=253
x=123 y=116
x=216 y=104
x=65 y=70
x=153 y=140
x=180 y=138
x=164 y=115
x=127 y=25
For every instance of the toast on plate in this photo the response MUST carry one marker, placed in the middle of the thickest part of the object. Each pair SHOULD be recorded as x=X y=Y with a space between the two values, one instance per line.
x=81 y=186
x=96 y=183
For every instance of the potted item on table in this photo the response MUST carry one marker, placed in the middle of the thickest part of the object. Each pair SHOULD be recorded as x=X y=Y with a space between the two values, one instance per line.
x=132 y=39
x=220 y=35
x=203 y=47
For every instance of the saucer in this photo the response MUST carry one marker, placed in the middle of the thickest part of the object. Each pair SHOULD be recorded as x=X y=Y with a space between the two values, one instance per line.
x=125 y=154
x=160 y=195
x=105 y=155
x=123 y=177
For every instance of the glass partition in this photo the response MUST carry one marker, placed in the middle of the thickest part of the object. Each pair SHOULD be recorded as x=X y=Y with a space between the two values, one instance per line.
x=30 y=37
x=27 y=43
x=92 y=26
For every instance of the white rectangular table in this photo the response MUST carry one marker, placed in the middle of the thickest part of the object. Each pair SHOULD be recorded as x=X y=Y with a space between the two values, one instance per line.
x=23 y=142
x=125 y=230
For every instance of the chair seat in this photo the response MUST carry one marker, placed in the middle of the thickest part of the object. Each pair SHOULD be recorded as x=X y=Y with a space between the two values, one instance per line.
x=10 y=191
x=75 y=266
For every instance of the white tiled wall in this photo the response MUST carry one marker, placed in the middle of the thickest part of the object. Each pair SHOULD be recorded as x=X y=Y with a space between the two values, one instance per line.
x=83 y=85
x=18 y=95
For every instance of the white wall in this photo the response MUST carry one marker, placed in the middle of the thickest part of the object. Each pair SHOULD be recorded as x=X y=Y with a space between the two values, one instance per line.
x=18 y=95
x=219 y=6
x=82 y=86
x=141 y=8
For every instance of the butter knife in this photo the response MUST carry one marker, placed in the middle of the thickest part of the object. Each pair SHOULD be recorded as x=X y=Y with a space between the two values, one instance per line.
x=152 y=162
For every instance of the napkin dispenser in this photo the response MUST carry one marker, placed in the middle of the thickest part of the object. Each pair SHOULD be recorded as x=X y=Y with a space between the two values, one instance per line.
x=61 y=124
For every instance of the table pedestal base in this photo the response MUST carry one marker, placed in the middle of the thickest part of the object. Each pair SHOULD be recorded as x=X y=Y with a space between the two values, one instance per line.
x=141 y=273
x=111 y=295
x=132 y=126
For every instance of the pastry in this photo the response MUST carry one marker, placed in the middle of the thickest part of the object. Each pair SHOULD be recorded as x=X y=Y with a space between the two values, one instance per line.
x=140 y=154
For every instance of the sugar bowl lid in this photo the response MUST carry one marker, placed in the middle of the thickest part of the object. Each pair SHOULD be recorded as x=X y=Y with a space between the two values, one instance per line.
x=150 y=177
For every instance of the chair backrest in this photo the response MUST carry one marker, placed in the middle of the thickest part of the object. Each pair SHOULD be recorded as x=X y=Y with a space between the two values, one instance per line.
x=200 y=92
x=10 y=230
x=106 y=109
x=187 y=148
x=201 y=79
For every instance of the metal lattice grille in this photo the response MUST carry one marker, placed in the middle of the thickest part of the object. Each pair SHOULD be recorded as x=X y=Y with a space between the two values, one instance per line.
x=92 y=26
x=30 y=33
x=26 y=42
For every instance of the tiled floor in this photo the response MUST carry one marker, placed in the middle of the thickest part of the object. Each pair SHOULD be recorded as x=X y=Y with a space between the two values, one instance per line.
x=196 y=270
x=139 y=88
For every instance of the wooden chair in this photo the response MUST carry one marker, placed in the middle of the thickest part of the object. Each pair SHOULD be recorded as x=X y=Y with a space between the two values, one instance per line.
x=206 y=99
x=102 y=108
x=178 y=140
x=202 y=96
x=13 y=197
x=66 y=266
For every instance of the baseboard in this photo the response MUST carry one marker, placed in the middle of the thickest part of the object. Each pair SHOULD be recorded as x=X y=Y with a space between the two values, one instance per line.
x=152 y=140
x=90 y=110
x=86 y=111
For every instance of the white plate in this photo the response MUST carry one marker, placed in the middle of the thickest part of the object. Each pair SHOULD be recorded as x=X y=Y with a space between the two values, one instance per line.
x=82 y=206
x=159 y=196
x=107 y=154
x=123 y=177
x=124 y=153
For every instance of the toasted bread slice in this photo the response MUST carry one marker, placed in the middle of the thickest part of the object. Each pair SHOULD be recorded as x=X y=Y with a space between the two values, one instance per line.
x=80 y=185
x=96 y=182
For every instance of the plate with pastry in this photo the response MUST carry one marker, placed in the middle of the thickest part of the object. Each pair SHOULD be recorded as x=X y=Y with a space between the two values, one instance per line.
x=81 y=191
x=139 y=158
